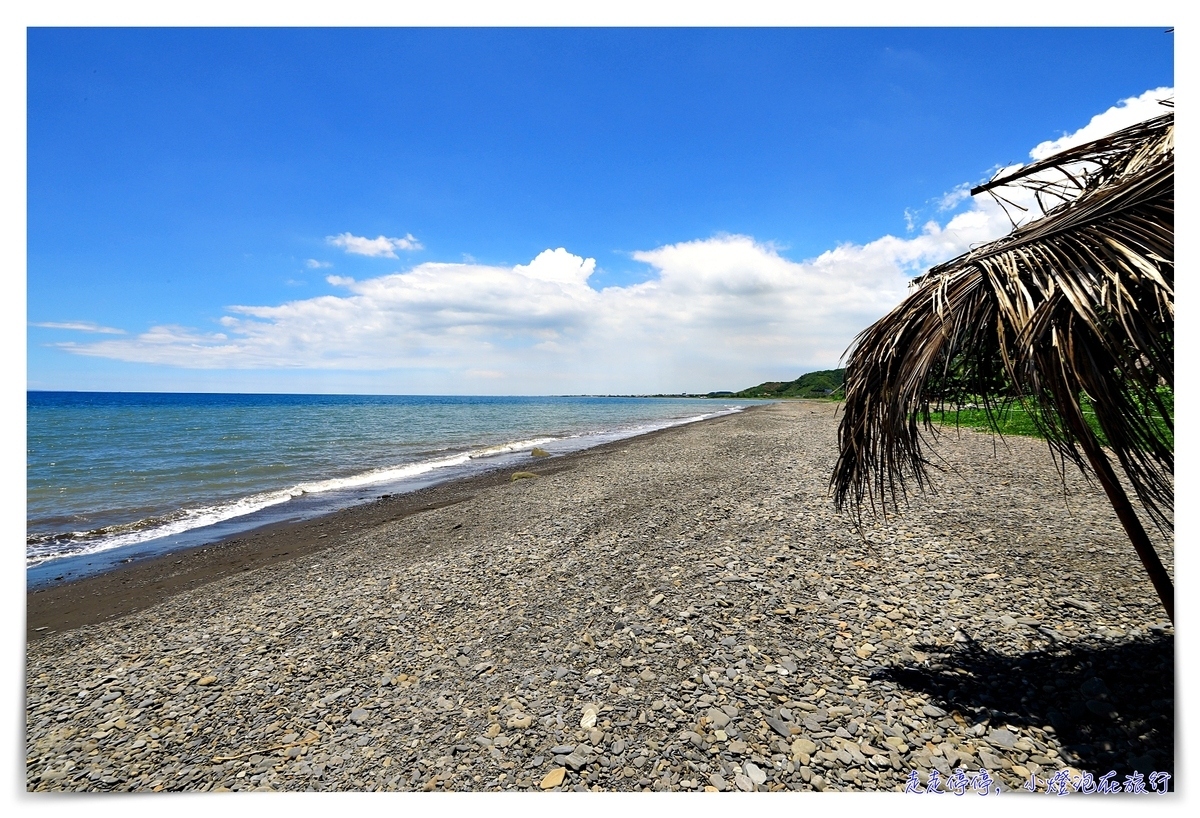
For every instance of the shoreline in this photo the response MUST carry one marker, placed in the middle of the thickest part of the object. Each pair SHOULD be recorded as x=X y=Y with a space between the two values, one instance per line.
x=384 y=446
x=126 y=589
x=678 y=611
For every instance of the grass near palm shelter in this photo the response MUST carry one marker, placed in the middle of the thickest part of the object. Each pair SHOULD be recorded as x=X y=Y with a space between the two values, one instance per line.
x=1013 y=419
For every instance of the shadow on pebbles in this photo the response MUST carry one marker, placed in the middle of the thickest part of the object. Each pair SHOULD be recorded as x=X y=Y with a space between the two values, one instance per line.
x=681 y=612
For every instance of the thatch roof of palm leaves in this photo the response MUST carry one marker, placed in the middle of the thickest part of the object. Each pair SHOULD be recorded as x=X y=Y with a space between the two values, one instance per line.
x=1071 y=313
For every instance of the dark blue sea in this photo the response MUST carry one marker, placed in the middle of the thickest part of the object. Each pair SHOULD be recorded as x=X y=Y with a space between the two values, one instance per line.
x=113 y=477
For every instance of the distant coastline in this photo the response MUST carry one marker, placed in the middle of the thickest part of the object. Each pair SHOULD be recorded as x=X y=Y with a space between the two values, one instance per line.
x=820 y=385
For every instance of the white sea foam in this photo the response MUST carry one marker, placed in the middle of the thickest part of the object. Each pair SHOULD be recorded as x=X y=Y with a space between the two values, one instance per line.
x=506 y=448
x=92 y=542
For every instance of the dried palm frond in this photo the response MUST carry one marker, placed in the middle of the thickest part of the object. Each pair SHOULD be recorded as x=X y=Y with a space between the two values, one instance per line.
x=1070 y=312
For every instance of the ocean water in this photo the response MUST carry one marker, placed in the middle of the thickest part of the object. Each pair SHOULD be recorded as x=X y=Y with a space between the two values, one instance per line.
x=113 y=477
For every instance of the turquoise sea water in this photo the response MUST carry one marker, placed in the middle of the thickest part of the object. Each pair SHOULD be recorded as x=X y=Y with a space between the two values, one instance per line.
x=115 y=476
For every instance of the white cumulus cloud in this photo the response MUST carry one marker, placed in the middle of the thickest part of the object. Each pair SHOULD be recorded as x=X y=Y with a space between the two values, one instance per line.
x=720 y=311
x=379 y=247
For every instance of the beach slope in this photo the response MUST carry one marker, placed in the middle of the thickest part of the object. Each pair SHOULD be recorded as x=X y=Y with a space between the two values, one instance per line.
x=679 y=611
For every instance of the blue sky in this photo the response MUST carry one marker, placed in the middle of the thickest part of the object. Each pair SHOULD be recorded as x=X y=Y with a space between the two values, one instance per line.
x=381 y=210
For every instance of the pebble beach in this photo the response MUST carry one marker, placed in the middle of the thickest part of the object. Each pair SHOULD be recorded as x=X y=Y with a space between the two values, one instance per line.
x=681 y=611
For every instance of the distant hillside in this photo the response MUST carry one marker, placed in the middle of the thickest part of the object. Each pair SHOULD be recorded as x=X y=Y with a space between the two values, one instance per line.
x=823 y=384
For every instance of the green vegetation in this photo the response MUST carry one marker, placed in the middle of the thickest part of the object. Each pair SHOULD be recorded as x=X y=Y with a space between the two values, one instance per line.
x=1014 y=419
x=1010 y=420
x=824 y=384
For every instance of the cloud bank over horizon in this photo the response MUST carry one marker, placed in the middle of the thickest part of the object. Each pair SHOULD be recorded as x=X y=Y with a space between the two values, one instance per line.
x=721 y=312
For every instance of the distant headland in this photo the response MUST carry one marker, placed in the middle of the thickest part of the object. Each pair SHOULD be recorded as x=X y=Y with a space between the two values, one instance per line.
x=825 y=383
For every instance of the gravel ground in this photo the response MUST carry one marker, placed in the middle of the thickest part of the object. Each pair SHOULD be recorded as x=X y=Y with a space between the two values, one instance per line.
x=681 y=612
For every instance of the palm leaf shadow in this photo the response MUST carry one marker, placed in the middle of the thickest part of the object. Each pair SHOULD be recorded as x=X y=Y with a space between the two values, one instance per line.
x=1110 y=705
